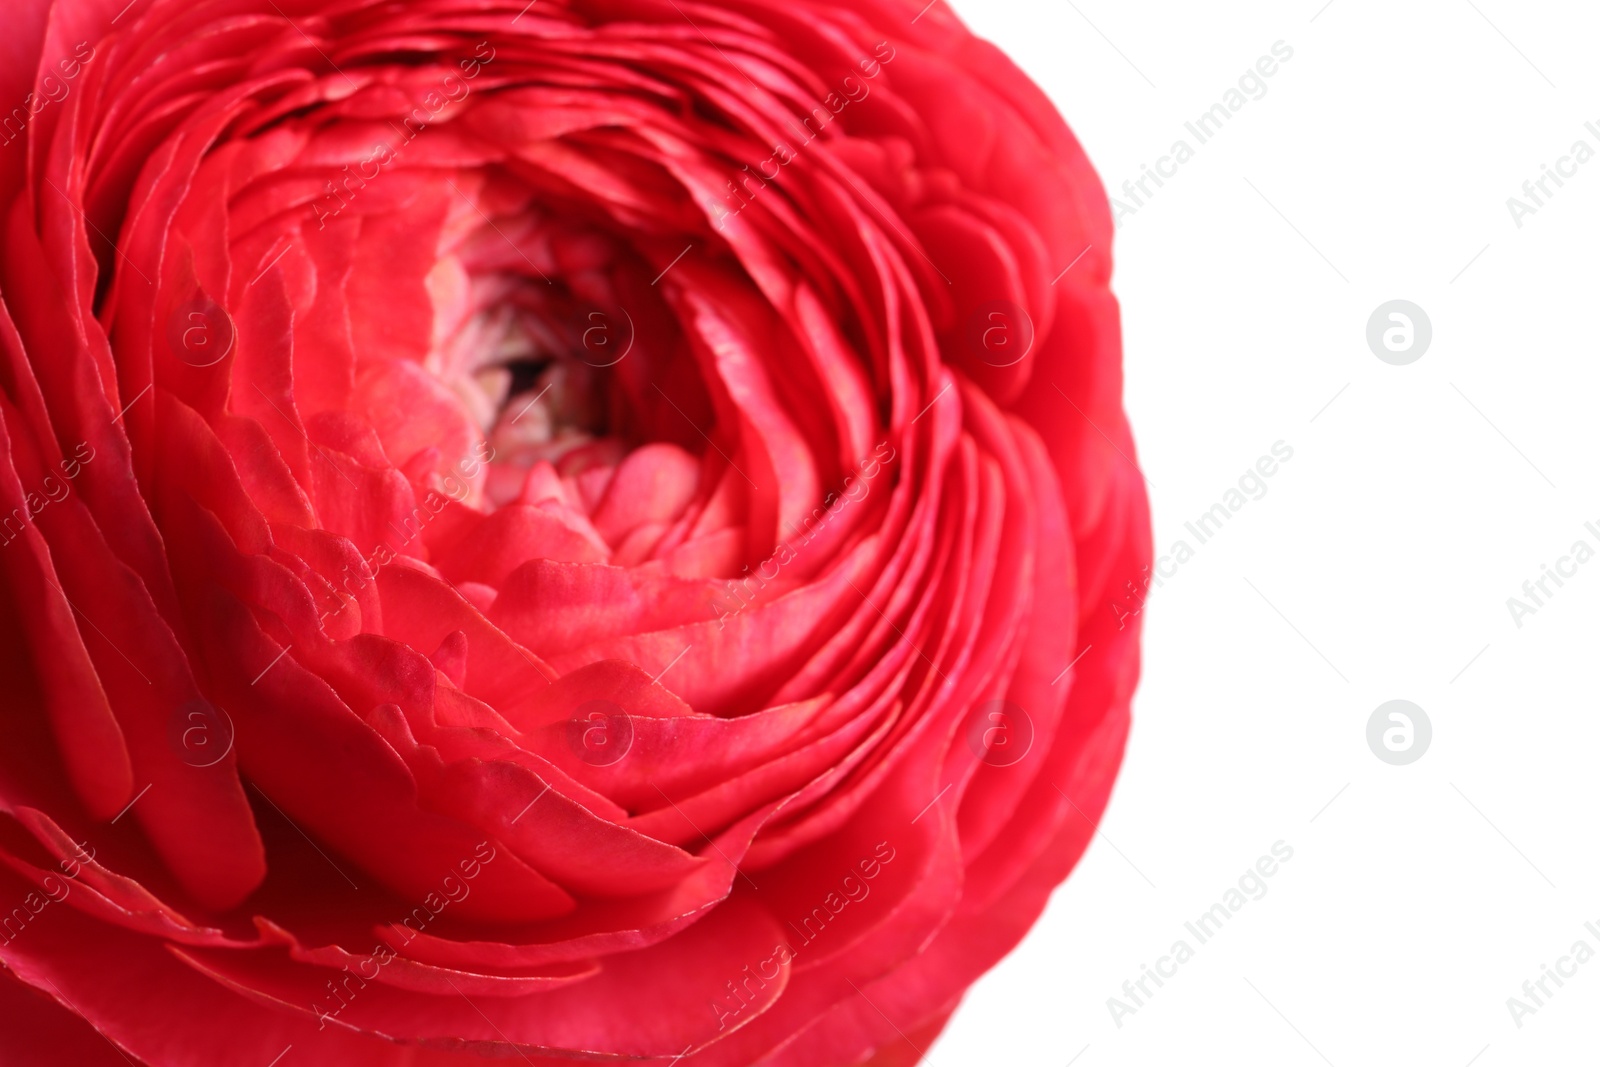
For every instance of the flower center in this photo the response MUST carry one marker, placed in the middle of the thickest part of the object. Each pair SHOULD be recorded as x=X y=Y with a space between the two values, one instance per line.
x=531 y=353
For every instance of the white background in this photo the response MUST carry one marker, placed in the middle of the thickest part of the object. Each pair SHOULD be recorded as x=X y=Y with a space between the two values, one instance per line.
x=1376 y=167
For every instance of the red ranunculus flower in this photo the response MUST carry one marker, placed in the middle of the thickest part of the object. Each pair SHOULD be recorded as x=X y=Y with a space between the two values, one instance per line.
x=550 y=530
